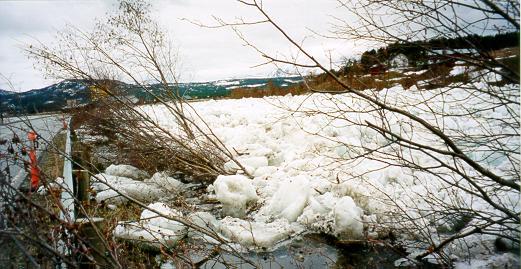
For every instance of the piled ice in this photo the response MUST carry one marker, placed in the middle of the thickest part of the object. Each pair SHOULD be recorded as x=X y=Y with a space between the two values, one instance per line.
x=120 y=181
x=235 y=193
x=304 y=174
x=153 y=228
x=289 y=200
x=156 y=230
x=124 y=170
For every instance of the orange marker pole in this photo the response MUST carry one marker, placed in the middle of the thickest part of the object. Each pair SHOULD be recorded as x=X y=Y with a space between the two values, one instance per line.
x=35 y=171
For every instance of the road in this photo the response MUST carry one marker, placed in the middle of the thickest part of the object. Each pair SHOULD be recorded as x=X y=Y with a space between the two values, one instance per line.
x=11 y=164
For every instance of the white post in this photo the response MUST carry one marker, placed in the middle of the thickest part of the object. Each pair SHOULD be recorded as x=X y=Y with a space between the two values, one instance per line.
x=67 y=198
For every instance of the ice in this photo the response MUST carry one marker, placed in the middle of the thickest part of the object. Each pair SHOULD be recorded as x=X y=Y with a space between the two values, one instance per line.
x=148 y=234
x=108 y=187
x=504 y=260
x=110 y=196
x=265 y=170
x=366 y=193
x=251 y=163
x=205 y=221
x=154 y=219
x=458 y=70
x=306 y=174
x=163 y=181
x=258 y=235
x=348 y=219
x=152 y=228
x=318 y=216
x=124 y=170
x=235 y=193
x=290 y=199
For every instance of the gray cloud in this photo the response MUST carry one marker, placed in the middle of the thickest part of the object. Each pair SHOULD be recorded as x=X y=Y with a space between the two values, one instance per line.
x=206 y=54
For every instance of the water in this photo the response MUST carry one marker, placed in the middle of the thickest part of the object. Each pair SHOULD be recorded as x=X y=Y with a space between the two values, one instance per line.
x=309 y=251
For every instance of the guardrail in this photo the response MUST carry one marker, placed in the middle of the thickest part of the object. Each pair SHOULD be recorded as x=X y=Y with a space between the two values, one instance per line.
x=67 y=197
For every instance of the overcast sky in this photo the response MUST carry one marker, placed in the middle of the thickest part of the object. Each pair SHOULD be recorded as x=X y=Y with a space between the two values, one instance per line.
x=205 y=54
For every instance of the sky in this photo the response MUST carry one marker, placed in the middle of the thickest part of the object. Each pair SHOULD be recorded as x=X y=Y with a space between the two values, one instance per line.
x=205 y=54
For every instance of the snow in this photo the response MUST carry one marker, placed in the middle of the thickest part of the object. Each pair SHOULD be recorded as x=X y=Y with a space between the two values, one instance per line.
x=226 y=82
x=235 y=193
x=124 y=170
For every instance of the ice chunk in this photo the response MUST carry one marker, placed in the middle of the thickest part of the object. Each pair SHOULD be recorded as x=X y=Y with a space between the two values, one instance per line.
x=290 y=199
x=348 y=219
x=264 y=171
x=106 y=186
x=259 y=235
x=252 y=162
x=458 y=70
x=163 y=181
x=205 y=221
x=124 y=170
x=154 y=219
x=366 y=193
x=149 y=234
x=317 y=213
x=235 y=193
x=152 y=228
x=110 y=196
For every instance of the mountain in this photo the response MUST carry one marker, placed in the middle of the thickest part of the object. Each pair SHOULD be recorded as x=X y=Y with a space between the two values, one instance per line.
x=55 y=97
x=51 y=98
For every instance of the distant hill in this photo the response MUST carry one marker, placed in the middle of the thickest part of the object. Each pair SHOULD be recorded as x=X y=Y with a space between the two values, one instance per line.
x=54 y=97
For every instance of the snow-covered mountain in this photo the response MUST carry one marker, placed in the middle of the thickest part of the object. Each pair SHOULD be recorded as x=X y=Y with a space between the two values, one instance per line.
x=54 y=97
